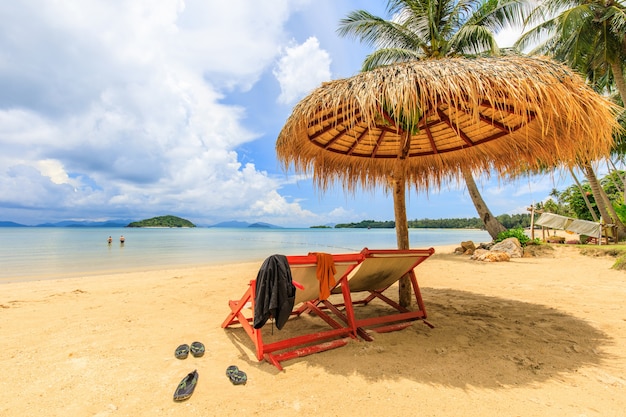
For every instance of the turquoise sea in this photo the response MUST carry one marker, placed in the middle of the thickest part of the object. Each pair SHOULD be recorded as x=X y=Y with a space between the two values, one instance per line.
x=29 y=253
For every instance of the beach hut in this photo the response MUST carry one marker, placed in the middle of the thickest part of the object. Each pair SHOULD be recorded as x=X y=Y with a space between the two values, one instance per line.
x=416 y=123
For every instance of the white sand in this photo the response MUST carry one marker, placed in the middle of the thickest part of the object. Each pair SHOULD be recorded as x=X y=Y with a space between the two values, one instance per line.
x=529 y=337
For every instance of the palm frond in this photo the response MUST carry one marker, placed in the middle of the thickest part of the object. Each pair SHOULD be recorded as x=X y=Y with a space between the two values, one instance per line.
x=376 y=31
x=537 y=36
x=501 y=14
x=473 y=40
x=387 y=56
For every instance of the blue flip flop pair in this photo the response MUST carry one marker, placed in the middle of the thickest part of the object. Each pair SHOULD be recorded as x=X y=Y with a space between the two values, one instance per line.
x=197 y=349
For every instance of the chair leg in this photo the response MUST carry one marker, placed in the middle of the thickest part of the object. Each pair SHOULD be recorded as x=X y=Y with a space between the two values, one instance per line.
x=235 y=314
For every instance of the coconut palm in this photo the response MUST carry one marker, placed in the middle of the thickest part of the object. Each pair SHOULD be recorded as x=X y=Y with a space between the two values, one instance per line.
x=592 y=211
x=422 y=29
x=590 y=36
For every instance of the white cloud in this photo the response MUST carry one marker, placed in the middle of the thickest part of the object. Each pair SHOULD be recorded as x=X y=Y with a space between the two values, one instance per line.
x=54 y=170
x=507 y=37
x=111 y=108
x=118 y=109
x=301 y=69
x=340 y=214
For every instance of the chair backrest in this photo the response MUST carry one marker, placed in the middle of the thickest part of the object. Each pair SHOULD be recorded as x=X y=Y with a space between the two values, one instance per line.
x=381 y=268
x=304 y=271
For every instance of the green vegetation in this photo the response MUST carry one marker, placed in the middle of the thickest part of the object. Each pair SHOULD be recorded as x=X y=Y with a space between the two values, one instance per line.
x=620 y=264
x=578 y=202
x=367 y=224
x=518 y=233
x=616 y=251
x=508 y=221
x=162 y=221
x=320 y=227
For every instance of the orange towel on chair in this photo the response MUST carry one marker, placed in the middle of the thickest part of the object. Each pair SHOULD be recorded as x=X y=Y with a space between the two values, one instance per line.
x=325 y=273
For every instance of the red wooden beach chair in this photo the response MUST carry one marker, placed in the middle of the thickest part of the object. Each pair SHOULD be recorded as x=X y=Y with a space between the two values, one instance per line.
x=378 y=271
x=303 y=271
x=371 y=272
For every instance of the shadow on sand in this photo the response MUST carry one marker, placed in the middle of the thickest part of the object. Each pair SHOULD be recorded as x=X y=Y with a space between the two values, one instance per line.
x=477 y=341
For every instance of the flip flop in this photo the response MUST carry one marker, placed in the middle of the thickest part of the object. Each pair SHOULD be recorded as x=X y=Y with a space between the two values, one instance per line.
x=231 y=370
x=236 y=376
x=182 y=351
x=186 y=386
x=197 y=349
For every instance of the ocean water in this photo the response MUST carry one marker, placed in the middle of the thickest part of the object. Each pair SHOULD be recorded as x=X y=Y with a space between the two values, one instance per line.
x=36 y=253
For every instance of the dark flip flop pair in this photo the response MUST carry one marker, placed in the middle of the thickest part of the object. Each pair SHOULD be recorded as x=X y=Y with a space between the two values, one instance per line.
x=236 y=376
x=188 y=384
x=196 y=348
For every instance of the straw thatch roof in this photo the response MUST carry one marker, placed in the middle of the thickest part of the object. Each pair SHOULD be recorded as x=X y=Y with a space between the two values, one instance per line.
x=424 y=119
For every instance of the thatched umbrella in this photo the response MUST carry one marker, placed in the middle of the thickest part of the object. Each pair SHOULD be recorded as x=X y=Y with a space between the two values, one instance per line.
x=418 y=123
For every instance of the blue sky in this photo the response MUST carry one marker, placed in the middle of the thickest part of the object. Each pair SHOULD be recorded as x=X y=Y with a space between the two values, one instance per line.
x=127 y=110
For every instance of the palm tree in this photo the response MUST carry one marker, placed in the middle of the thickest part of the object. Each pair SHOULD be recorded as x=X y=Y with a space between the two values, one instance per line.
x=422 y=29
x=592 y=211
x=590 y=36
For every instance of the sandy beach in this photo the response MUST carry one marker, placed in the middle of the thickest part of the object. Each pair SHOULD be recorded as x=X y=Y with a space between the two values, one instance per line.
x=530 y=337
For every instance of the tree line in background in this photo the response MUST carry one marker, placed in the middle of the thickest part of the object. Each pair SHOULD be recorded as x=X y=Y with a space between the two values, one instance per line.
x=508 y=221
x=576 y=201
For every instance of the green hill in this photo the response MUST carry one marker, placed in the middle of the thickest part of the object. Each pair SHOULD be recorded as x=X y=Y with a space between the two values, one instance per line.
x=162 y=221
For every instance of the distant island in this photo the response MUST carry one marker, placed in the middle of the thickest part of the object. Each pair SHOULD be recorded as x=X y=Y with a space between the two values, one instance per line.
x=240 y=224
x=11 y=224
x=162 y=221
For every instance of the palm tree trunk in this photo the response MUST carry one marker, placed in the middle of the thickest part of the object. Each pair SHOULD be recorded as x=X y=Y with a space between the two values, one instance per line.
x=621 y=177
x=493 y=226
x=609 y=206
x=602 y=200
x=615 y=218
x=620 y=82
x=402 y=236
x=595 y=190
x=582 y=192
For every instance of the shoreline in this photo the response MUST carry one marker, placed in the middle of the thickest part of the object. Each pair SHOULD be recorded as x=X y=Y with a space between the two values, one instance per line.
x=39 y=253
x=528 y=337
x=147 y=269
x=116 y=271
